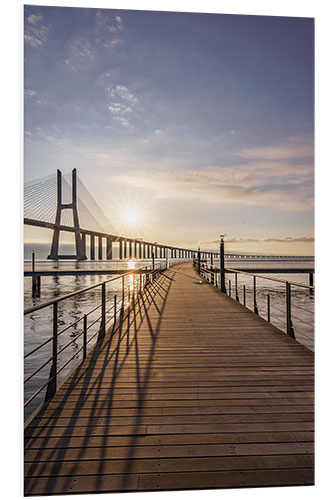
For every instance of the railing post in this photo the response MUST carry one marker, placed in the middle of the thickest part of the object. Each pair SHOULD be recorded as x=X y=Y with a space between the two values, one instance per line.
x=255 y=307
x=35 y=279
x=236 y=288
x=222 y=270
x=103 y=309
x=84 y=336
x=290 y=329
x=268 y=308
x=311 y=282
x=199 y=261
x=115 y=308
x=244 y=295
x=52 y=385
x=229 y=288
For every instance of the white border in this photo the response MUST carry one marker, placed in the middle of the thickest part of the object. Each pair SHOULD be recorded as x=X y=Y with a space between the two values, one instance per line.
x=11 y=231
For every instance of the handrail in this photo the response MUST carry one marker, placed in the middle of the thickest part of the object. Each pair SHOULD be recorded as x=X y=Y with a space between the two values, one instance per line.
x=78 y=292
x=51 y=383
x=211 y=274
x=302 y=285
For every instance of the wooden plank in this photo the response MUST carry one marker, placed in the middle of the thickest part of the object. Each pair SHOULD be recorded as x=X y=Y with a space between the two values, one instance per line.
x=93 y=467
x=162 y=439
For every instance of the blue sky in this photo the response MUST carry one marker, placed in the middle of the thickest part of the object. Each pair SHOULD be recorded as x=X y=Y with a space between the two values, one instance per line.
x=201 y=123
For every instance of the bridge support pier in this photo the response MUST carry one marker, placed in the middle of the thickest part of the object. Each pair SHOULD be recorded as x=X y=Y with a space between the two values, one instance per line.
x=100 y=248
x=80 y=250
x=92 y=247
x=109 y=248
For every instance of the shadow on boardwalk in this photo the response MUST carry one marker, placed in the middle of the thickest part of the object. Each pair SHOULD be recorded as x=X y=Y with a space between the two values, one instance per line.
x=92 y=387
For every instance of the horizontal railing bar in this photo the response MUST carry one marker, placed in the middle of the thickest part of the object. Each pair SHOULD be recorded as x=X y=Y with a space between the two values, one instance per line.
x=73 y=294
x=304 y=335
x=69 y=360
x=268 y=278
x=37 y=348
x=302 y=321
x=36 y=393
x=278 y=319
x=70 y=342
x=92 y=337
x=302 y=308
x=277 y=309
x=70 y=326
x=94 y=322
x=108 y=320
x=37 y=370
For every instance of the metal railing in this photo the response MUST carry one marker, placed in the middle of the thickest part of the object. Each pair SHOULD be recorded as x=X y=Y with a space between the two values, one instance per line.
x=282 y=312
x=138 y=280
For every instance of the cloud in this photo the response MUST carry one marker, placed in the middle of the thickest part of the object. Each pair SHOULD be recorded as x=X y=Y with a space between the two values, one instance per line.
x=123 y=103
x=284 y=185
x=295 y=148
x=35 y=34
x=80 y=54
x=282 y=239
x=119 y=22
x=34 y=19
x=30 y=93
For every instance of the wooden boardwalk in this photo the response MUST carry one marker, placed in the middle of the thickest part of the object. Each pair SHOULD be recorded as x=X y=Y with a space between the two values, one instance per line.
x=191 y=390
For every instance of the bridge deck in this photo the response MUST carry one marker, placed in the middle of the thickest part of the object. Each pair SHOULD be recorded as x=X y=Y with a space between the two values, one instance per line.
x=193 y=391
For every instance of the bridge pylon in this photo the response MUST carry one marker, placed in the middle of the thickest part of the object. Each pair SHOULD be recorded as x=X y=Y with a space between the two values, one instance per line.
x=79 y=245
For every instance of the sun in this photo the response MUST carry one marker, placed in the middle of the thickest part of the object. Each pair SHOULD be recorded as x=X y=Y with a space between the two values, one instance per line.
x=132 y=217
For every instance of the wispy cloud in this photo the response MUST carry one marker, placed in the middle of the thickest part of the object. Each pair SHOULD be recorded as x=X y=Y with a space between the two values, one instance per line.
x=279 y=183
x=35 y=33
x=80 y=54
x=296 y=149
x=29 y=92
x=122 y=104
x=282 y=239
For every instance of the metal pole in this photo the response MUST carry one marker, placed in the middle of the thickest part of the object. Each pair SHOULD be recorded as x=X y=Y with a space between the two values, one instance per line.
x=290 y=329
x=199 y=260
x=115 y=308
x=84 y=336
x=222 y=268
x=229 y=288
x=244 y=295
x=153 y=259
x=268 y=308
x=255 y=296
x=52 y=385
x=103 y=309
x=236 y=288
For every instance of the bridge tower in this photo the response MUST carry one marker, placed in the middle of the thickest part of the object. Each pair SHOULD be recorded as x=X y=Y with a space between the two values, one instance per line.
x=79 y=245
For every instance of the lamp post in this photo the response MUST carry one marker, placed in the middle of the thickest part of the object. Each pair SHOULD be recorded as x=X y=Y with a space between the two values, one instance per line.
x=222 y=271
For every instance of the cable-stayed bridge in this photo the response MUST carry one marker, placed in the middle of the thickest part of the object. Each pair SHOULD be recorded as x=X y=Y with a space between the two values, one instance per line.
x=61 y=202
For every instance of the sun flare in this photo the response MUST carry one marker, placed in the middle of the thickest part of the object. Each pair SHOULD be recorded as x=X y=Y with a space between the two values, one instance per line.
x=132 y=217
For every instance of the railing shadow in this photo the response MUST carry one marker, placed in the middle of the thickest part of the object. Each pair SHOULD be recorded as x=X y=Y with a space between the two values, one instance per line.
x=137 y=330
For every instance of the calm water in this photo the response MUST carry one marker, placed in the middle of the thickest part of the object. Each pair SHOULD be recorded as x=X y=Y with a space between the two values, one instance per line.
x=38 y=325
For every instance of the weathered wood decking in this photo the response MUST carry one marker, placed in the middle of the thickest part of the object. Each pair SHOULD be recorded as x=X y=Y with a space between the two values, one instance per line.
x=193 y=391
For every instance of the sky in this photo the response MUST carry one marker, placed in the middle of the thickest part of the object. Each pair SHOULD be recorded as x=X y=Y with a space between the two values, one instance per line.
x=199 y=124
